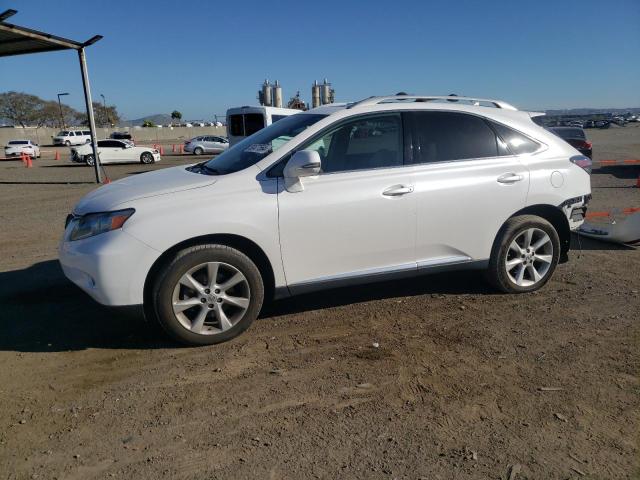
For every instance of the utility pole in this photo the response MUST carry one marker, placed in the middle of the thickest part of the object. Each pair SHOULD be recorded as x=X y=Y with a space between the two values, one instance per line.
x=104 y=106
x=60 y=106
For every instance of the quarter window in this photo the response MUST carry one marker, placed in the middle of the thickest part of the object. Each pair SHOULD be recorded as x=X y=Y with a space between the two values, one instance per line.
x=371 y=142
x=446 y=136
x=517 y=142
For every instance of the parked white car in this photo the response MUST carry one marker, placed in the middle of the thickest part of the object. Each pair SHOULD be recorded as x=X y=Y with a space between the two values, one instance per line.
x=115 y=151
x=16 y=148
x=72 y=137
x=384 y=188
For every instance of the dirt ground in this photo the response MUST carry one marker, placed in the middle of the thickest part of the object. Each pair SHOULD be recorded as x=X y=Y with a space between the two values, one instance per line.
x=464 y=383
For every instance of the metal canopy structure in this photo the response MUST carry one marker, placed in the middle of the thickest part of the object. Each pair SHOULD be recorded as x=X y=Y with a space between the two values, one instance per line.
x=15 y=40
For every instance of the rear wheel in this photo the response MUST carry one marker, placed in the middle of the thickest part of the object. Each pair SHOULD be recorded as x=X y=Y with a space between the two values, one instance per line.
x=524 y=255
x=207 y=294
x=198 y=151
x=146 y=158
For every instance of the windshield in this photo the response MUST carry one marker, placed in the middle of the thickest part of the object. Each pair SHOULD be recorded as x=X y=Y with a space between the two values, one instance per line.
x=19 y=142
x=254 y=148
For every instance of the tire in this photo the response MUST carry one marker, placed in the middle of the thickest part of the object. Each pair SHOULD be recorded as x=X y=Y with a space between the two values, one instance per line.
x=198 y=151
x=89 y=160
x=529 y=268
x=146 y=158
x=67 y=143
x=200 y=323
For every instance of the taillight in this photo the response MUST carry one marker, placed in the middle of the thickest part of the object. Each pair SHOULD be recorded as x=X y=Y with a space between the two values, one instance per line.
x=583 y=162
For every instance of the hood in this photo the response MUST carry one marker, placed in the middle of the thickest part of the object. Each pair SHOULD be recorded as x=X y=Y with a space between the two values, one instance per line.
x=151 y=184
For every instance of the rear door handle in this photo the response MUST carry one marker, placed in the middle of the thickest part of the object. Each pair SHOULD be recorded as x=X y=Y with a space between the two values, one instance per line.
x=510 y=178
x=397 y=190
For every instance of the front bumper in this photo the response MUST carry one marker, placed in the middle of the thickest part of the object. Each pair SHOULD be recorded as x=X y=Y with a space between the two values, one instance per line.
x=111 y=267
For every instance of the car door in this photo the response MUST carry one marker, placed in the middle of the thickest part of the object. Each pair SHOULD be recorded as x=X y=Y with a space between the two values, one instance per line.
x=217 y=144
x=109 y=151
x=357 y=217
x=467 y=184
x=208 y=144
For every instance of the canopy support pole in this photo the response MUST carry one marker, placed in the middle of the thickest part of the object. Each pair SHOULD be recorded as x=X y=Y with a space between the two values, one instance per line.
x=89 y=105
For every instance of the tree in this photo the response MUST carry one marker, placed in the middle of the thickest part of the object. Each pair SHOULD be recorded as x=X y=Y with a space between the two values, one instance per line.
x=104 y=117
x=148 y=123
x=20 y=108
x=176 y=115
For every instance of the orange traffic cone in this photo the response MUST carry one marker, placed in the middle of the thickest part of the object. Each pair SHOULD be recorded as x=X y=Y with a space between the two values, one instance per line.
x=29 y=161
x=182 y=149
x=57 y=157
x=173 y=148
x=23 y=157
x=161 y=150
x=638 y=182
x=107 y=181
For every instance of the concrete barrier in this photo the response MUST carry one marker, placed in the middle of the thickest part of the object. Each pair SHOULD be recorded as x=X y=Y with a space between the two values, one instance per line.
x=42 y=136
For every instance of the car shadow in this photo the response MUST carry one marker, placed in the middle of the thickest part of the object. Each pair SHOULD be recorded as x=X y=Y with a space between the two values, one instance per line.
x=623 y=172
x=469 y=282
x=43 y=312
x=580 y=242
x=68 y=165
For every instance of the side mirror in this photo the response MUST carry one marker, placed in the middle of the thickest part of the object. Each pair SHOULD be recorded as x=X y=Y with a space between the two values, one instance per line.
x=304 y=163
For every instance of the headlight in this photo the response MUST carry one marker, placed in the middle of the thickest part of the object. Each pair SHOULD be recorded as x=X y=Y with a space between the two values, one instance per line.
x=97 y=223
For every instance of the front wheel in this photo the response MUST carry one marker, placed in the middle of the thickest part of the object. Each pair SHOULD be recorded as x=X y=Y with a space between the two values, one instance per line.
x=198 y=151
x=524 y=255
x=207 y=294
x=90 y=160
x=146 y=158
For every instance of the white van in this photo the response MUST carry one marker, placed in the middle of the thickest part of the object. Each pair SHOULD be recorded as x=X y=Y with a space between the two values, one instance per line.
x=245 y=121
x=72 y=137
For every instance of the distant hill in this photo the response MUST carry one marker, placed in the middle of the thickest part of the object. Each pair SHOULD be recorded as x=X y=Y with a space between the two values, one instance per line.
x=158 y=119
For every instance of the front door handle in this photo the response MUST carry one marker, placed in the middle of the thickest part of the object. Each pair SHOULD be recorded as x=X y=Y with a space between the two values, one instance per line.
x=509 y=178
x=397 y=190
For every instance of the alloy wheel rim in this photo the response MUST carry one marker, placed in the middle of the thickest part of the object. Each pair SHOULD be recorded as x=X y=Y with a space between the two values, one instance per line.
x=529 y=257
x=211 y=298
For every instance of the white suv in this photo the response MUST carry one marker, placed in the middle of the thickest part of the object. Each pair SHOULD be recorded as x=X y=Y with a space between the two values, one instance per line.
x=383 y=188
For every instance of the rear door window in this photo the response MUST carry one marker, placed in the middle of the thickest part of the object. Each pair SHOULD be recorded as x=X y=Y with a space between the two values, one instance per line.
x=448 y=136
x=253 y=122
x=236 y=125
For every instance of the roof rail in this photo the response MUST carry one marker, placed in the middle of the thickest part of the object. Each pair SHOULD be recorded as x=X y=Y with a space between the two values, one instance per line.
x=431 y=98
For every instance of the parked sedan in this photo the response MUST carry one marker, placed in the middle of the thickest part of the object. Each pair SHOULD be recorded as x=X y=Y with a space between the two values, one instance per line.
x=206 y=144
x=575 y=137
x=115 y=151
x=15 y=148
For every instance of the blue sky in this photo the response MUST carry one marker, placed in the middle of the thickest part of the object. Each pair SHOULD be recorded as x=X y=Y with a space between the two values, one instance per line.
x=201 y=57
